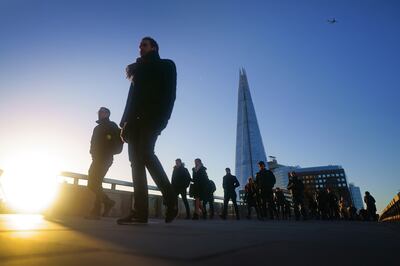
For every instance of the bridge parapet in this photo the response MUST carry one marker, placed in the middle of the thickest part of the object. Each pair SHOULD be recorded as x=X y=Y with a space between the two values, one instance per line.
x=76 y=200
x=392 y=210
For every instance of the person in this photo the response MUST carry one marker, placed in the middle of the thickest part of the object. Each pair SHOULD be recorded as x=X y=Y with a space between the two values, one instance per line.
x=297 y=188
x=148 y=108
x=288 y=211
x=322 y=204
x=104 y=139
x=280 y=202
x=312 y=205
x=265 y=181
x=352 y=211
x=209 y=198
x=180 y=180
x=199 y=189
x=371 y=207
x=250 y=198
x=229 y=184
x=333 y=205
x=343 y=209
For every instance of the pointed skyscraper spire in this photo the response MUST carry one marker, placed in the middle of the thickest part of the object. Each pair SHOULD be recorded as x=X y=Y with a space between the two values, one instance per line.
x=249 y=144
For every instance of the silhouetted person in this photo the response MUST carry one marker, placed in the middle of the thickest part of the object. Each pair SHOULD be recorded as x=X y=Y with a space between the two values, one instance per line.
x=333 y=205
x=352 y=212
x=280 y=202
x=209 y=199
x=250 y=197
x=148 y=108
x=103 y=145
x=371 y=207
x=288 y=211
x=343 y=209
x=199 y=187
x=322 y=203
x=312 y=206
x=180 y=181
x=265 y=181
x=363 y=215
x=230 y=183
x=297 y=188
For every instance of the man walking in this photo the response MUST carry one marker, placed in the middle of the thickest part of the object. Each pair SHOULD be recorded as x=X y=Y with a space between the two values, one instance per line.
x=371 y=207
x=149 y=106
x=266 y=180
x=104 y=144
x=209 y=199
x=180 y=181
x=230 y=183
x=296 y=186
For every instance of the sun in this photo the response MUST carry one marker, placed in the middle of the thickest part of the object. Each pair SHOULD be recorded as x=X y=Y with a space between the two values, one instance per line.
x=30 y=181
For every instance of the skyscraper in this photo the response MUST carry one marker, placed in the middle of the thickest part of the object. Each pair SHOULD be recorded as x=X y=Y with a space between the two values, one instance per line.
x=356 y=196
x=249 y=144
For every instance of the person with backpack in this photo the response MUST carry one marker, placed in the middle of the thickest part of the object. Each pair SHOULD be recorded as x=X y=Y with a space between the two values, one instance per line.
x=180 y=181
x=209 y=198
x=230 y=183
x=104 y=144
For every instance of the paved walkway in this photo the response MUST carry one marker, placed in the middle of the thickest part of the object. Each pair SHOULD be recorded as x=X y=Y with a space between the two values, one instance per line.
x=32 y=240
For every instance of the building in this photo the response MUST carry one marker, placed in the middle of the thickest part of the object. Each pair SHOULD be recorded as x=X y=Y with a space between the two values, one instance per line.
x=322 y=177
x=249 y=144
x=356 y=196
x=281 y=172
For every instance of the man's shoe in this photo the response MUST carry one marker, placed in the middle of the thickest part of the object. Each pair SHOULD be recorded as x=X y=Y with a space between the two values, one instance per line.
x=131 y=218
x=222 y=217
x=171 y=213
x=195 y=216
x=108 y=206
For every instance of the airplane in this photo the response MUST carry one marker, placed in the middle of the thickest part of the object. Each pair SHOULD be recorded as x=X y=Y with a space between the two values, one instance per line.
x=332 y=21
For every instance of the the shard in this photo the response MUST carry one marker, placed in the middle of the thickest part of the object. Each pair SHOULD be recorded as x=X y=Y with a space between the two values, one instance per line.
x=249 y=144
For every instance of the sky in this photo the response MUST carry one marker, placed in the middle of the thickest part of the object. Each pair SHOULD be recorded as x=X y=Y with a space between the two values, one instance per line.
x=324 y=94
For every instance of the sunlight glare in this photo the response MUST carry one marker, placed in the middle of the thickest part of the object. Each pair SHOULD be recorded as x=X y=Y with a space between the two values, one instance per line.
x=30 y=181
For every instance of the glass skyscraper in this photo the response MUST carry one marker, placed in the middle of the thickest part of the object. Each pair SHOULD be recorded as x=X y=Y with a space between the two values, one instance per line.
x=356 y=196
x=249 y=144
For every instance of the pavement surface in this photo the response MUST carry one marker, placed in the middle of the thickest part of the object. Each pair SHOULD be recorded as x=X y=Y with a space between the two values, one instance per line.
x=33 y=240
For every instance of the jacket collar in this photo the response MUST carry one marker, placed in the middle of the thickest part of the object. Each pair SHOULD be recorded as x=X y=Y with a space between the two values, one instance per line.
x=150 y=57
x=102 y=121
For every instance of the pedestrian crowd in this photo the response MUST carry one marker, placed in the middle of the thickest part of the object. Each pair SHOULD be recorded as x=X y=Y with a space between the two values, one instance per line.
x=147 y=111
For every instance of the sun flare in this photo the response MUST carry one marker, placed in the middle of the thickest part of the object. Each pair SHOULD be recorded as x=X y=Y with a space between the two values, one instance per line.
x=30 y=181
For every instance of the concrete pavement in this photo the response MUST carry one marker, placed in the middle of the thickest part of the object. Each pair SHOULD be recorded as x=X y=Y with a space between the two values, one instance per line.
x=33 y=240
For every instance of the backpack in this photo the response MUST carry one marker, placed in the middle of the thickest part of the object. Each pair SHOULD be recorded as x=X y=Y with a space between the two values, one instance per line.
x=187 y=178
x=117 y=143
x=211 y=186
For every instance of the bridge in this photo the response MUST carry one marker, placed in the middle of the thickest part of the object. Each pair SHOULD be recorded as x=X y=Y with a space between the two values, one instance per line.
x=63 y=237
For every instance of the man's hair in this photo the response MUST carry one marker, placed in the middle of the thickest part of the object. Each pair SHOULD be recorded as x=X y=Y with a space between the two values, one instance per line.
x=178 y=160
x=261 y=163
x=106 y=110
x=227 y=169
x=153 y=42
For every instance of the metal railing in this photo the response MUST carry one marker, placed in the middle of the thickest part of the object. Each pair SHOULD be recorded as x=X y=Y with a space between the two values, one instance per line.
x=392 y=210
x=117 y=184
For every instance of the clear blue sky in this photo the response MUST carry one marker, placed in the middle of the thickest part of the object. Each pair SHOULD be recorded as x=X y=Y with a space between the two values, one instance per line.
x=324 y=94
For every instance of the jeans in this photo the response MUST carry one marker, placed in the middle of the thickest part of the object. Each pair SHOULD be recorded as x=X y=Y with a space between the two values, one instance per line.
x=98 y=169
x=141 y=155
